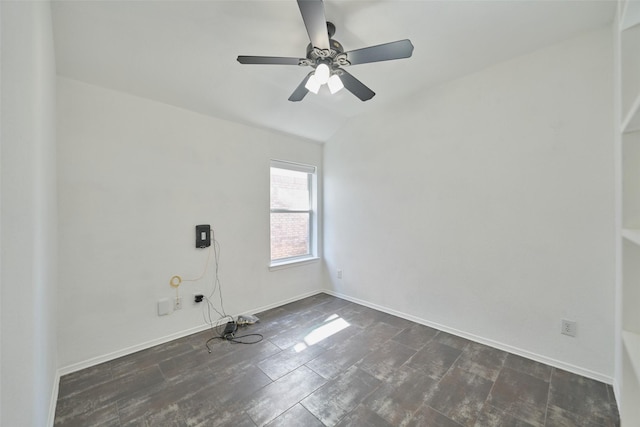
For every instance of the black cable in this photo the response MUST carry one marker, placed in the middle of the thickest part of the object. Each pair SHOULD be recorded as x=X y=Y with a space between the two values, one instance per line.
x=217 y=285
x=211 y=339
x=234 y=339
x=210 y=320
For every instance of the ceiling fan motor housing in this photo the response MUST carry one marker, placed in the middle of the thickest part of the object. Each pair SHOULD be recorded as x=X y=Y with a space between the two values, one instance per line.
x=333 y=57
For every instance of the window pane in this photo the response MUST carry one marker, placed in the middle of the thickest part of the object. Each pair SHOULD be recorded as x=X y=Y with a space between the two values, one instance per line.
x=289 y=189
x=289 y=235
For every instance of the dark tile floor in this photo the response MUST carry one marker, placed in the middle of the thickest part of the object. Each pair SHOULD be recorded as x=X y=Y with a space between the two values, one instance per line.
x=325 y=361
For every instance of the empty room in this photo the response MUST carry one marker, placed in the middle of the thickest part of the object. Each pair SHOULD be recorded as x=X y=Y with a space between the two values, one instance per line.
x=320 y=213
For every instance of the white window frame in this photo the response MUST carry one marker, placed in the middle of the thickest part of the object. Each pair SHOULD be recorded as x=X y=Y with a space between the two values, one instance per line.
x=313 y=216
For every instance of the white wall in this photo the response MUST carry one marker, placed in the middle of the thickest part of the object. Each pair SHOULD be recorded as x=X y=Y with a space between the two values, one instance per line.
x=135 y=177
x=486 y=206
x=29 y=218
x=1 y=239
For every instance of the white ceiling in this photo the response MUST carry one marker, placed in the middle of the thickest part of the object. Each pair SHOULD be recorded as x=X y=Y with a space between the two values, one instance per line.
x=184 y=52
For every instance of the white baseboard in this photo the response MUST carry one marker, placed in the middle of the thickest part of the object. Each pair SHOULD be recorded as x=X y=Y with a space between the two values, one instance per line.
x=617 y=392
x=130 y=350
x=54 y=399
x=161 y=340
x=482 y=340
x=148 y=344
x=283 y=302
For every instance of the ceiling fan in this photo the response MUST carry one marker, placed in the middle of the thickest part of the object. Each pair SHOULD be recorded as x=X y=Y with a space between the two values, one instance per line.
x=327 y=57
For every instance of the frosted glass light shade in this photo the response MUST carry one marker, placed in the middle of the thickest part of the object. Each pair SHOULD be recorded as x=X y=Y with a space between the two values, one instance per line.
x=322 y=73
x=313 y=85
x=335 y=84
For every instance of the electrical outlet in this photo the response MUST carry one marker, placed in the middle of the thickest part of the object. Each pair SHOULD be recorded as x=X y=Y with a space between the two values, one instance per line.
x=339 y=274
x=569 y=327
x=177 y=304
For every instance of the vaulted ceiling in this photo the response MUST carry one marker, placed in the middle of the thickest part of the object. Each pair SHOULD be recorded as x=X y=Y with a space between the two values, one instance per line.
x=184 y=52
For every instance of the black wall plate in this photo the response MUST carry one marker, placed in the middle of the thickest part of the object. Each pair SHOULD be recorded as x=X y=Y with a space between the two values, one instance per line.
x=203 y=236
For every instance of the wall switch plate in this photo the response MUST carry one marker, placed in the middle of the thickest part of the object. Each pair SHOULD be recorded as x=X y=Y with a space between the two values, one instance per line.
x=569 y=327
x=203 y=236
x=164 y=306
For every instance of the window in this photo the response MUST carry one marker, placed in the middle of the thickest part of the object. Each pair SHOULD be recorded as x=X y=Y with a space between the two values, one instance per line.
x=293 y=219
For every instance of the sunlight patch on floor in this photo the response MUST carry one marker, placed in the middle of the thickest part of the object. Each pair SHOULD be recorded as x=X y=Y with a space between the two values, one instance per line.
x=332 y=325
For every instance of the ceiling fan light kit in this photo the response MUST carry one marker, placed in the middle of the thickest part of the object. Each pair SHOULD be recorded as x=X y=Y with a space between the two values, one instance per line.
x=313 y=84
x=335 y=84
x=322 y=73
x=326 y=56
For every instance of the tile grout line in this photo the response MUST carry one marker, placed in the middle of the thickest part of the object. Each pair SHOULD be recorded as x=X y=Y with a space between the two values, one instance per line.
x=546 y=409
x=493 y=384
x=450 y=367
x=424 y=402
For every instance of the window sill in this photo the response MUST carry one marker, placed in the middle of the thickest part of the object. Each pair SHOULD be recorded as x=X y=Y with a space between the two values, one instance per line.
x=279 y=265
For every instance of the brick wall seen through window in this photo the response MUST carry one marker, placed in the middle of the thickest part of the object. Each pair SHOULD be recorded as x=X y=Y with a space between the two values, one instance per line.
x=290 y=213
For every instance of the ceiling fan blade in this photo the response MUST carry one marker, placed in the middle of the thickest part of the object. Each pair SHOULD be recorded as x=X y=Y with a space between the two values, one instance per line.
x=356 y=87
x=313 y=16
x=276 y=60
x=300 y=91
x=381 y=52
